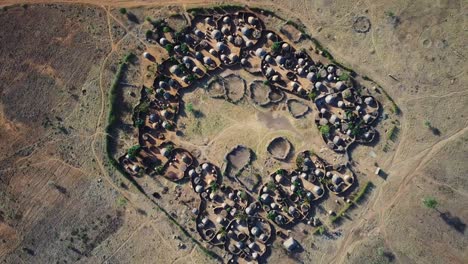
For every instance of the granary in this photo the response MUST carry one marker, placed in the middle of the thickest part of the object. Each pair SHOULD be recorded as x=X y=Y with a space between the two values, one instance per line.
x=199 y=33
x=329 y=99
x=317 y=190
x=220 y=46
x=163 y=84
x=252 y=20
x=290 y=244
x=255 y=231
x=226 y=19
x=369 y=100
x=197 y=70
x=318 y=85
x=340 y=86
x=265 y=197
x=174 y=69
x=311 y=76
x=216 y=34
x=269 y=72
x=186 y=59
x=334 y=119
x=207 y=60
x=260 y=52
x=163 y=41
x=208 y=20
x=348 y=179
x=278 y=178
x=279 y=59
x=233 y=57
x=192 y=173
x=153 y=118
x=147 y=55
x=336 y=179
x=225 y=30
x=367 y=118
x=246 y=31
x=300 y=71
x=238 y=41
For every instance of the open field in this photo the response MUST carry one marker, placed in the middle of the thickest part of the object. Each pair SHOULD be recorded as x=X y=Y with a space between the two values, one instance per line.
x=62 y=201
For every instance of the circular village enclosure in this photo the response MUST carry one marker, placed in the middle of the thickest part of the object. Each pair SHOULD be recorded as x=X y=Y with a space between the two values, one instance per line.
x=226 y=213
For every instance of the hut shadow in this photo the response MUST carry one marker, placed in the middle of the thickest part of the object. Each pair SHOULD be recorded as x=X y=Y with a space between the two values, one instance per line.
x=454 y=222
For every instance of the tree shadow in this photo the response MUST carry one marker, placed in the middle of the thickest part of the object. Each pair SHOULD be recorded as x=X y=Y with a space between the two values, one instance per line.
x=435 y=131
x=453 y=221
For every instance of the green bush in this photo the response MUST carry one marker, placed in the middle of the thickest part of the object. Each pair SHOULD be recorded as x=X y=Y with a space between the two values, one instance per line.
x=184 y=48
x=148 y=33
x=312 y=95
x=430 y=202
x=169 y=48
x=123 y=11
x=325 y=130
x=133 y=151
x=276 y=46
x=166 y=29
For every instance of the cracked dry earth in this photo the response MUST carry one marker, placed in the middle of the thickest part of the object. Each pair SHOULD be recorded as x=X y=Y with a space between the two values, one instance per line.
x=65 y=204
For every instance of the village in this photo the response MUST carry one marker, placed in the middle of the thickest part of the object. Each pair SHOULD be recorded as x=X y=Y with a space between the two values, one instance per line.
x=228 y=215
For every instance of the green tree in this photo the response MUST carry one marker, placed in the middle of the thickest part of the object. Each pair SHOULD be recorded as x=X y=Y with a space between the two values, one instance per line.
x=325 y=130
x=184 y=48
x=123 y=11
x=427 y=124
x=276 y=46
x=169 y=48
x=133 y=151
x=430 y=202
x=148 y=33
x=166 y=29
x=312 y=95
x=189 y=108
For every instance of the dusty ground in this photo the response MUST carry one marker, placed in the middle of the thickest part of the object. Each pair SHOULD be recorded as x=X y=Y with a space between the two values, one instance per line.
x=61 y=202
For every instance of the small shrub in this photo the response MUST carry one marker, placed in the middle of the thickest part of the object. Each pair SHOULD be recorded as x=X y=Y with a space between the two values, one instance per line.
x=123 y=11
x=276 y=46
x=121 y=201
x=133 y=151
x=159 y=170
x=312 y=95
x=166 y=29
x=184 y=48
x=189 y=108
x=325 y=130
x=427 y=124
x=430 y=202
x=299 y=161
x=148 y=33
x=344 y=76
x=169 y=48
x=271 y=186
x=320 y=230
x=266 y=82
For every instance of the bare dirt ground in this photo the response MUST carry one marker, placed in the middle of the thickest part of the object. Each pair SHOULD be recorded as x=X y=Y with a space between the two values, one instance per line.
x=60 y=201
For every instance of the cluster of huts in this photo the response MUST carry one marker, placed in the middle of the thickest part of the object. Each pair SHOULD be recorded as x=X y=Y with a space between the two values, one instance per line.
x=288 y=197
x=227 y=217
